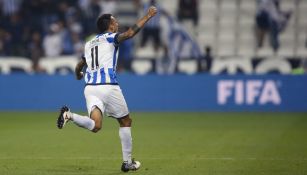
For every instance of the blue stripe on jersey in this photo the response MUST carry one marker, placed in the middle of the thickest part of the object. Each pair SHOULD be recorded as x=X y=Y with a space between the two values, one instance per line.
x=112 y=75
x=88 y=76
x=110 y=39
x=114 y=56
x=97 y=36
x=103 y=75
x=95 y=77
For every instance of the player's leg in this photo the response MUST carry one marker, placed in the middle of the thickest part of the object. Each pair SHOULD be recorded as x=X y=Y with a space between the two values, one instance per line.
x=126 y=142
x=116 y=107
x=82 y=121
x=94 y=123
x=95 y=108
x=96 y=116
x=125 y=137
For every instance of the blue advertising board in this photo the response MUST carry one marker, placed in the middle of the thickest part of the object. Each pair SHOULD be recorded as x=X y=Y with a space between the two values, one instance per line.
x=200 y=92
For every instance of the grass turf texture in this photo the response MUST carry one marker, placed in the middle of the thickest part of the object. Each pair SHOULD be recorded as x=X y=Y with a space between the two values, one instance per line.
x=165 y=143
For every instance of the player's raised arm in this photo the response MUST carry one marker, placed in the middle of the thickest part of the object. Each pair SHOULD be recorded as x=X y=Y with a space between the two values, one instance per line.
x=152 y=11
x=78 y=69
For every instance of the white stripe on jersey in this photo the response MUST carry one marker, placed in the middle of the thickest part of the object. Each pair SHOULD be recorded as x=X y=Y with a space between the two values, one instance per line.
x=86 y=77
x=91 y=78
x=107 y=76
x=98 y=77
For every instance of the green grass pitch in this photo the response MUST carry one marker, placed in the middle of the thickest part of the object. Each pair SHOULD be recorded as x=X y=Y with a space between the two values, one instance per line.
x=165 y=143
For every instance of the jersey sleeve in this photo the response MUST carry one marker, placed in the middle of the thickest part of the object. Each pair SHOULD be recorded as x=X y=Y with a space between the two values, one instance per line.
x=112 y=38
x=116 y=42
x=83 y=57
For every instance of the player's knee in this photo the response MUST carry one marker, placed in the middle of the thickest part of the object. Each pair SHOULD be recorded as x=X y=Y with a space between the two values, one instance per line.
x=96 y=128
x=127 y=122
x=130 y=122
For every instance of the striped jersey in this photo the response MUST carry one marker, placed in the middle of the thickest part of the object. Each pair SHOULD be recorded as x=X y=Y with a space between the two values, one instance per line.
x=101 y=54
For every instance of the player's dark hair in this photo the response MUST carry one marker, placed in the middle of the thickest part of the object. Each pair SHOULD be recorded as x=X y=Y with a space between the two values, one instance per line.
x=103 y=22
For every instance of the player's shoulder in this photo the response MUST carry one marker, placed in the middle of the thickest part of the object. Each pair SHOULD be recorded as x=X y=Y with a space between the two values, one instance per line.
x=106 y=35
x=94 y=40
x=100 y=38
x=110 y=35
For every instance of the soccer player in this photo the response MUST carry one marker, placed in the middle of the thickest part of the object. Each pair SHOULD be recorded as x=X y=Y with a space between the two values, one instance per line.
x=102 y=92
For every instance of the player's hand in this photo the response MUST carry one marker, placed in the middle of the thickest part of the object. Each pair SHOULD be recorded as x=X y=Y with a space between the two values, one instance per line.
x=79 y=75
x=152 y=11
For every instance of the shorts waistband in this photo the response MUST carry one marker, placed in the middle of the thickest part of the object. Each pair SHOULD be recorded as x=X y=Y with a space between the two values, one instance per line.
x=88 y=84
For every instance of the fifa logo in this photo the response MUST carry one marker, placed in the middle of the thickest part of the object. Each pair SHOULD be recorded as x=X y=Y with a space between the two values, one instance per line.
x=248 y=92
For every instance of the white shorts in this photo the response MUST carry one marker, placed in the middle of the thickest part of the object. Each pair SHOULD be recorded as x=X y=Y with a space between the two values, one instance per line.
x=108 y=98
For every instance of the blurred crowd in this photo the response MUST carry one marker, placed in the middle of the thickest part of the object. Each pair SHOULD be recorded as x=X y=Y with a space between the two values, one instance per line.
x=38 y=28
x=50 y=28
x=272 y=20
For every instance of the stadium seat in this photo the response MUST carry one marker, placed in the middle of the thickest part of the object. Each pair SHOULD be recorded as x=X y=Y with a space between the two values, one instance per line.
x=246 y=51
x=301 y=46
x=287 y=43
x=302 y=5
x=301 y=52
x=302 y=17
x=146 y=52
x=248 y=5
x=207 y=40
x=126 y=20
x=264 y=52
x=141 y=66
x=226 y=48
x=169 y=6
x=288 y=5
x=208 y=4
x=8 y=63
x=208 y=21
x=247 y=45
x=231 y=65
x=189 y=26
x=226 y=42
x=273 y=64
x=246 y=19
x=228 y=5
x=187 y=66
x=52 y=65
x=126 y=13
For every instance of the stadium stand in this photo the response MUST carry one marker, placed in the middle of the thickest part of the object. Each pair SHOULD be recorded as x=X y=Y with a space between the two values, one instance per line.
x=7 y=64
x=227 y=26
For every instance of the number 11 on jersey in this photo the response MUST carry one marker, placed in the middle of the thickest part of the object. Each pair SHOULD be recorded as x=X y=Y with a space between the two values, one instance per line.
x=95 y=64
